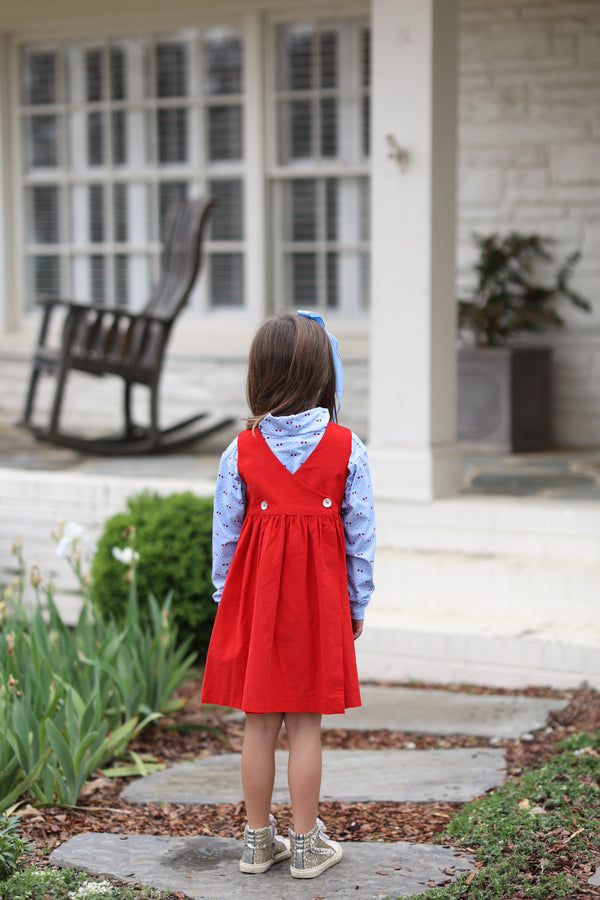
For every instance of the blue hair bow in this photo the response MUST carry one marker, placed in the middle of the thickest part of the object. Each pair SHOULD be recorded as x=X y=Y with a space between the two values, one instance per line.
x=337 y=362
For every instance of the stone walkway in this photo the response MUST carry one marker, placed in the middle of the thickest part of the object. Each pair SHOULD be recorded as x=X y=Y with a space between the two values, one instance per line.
x=205 y=868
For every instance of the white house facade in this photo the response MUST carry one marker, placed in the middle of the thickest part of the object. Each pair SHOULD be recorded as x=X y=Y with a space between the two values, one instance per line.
x=331 y=136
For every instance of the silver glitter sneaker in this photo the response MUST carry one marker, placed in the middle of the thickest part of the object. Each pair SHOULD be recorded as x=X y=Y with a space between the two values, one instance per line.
x=262 y=848
x=313 y=852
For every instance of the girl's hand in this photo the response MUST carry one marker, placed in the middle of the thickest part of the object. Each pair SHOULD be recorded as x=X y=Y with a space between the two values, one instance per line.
x=357 y=627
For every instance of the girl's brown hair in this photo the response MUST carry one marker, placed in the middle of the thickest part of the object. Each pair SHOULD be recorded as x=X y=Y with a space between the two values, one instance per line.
x=290 y=368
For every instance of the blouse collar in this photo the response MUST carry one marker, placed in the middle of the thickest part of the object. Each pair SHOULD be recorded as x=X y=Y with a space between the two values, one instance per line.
x=309 y=421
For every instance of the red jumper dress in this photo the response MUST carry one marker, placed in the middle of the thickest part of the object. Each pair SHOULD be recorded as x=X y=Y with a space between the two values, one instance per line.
x=282 y=639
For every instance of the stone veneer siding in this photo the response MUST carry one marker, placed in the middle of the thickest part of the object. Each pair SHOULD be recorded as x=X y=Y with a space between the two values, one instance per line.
x=529 y=160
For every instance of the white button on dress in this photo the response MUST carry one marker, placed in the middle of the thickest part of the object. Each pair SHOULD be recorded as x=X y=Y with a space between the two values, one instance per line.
x=264 y=504
x=327 y=502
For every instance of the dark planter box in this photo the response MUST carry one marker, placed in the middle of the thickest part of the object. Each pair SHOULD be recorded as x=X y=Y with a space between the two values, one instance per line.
x=504 y=398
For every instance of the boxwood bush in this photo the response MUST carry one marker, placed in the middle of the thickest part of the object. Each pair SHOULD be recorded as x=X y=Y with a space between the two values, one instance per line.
x=173 y=537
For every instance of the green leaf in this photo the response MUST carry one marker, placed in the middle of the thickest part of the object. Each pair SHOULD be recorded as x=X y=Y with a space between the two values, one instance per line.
x=79 y=758
x=25 y=782
x=124 y=771
x=62 y=752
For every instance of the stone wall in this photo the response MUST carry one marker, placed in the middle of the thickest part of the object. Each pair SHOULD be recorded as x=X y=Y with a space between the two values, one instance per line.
x=529 y=160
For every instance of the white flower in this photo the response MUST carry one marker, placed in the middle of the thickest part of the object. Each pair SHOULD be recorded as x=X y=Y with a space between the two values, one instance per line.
x=64 y=547
x=89 y=890
x=74 y=534
x=127 y=555
x=41 y=874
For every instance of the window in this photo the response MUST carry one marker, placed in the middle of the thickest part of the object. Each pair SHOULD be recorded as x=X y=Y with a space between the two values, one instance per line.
x=319 y=176
x=113 y=133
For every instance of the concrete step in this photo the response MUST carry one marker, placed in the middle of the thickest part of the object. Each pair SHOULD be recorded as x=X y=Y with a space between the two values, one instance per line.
x=494 y=526
x=486 y=590
x=403 y=646
x=530 y=591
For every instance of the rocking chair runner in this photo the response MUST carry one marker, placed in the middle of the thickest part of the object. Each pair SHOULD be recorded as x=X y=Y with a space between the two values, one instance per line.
x=111 y=341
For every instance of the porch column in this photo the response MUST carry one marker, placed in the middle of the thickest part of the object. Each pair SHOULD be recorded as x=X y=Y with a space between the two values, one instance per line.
x=6 y=314
x=413 y=310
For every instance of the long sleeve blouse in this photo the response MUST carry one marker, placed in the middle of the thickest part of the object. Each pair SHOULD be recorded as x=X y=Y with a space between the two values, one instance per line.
x=292 y=439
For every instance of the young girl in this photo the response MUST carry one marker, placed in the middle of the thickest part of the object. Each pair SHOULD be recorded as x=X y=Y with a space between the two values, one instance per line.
x=293 y=547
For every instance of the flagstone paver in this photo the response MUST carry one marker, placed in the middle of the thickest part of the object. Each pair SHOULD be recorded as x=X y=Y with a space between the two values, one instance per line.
x=206 y=868
x=449 y=775
x=446 y=712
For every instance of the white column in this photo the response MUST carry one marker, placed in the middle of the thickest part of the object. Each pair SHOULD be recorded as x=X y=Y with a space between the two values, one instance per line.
x=413 y=311
x=254 y=201
x=7 y=316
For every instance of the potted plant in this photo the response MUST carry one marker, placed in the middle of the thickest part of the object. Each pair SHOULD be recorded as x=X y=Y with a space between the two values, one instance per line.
x=504 y=398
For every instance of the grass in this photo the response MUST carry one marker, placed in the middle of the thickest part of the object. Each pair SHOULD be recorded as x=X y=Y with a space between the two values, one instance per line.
x=531 y=834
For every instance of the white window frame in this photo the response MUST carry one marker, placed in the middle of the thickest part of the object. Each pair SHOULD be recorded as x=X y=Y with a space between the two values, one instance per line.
x=353 y=165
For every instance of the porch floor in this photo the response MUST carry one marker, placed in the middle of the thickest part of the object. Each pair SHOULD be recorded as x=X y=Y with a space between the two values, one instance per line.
x=568 y=474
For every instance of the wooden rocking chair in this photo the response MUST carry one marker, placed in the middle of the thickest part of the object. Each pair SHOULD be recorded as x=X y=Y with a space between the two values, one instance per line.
x=112 y=341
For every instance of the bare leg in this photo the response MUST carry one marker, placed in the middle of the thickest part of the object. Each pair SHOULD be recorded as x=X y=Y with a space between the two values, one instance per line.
x=304 y=767
x=258 y=765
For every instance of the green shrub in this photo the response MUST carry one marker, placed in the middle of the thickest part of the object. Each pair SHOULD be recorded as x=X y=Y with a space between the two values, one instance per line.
x=12 y=845
x=173 y=536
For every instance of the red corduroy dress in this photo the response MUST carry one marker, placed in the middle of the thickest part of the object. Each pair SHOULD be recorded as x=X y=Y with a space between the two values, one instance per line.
x=282 y=639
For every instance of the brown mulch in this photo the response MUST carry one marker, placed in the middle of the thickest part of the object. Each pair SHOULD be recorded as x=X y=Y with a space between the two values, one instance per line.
x=184 y=736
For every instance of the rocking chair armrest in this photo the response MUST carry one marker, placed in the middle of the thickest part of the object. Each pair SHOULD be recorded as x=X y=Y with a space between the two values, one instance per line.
x=78 y=308
x=50 y=302
x=140 y=316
